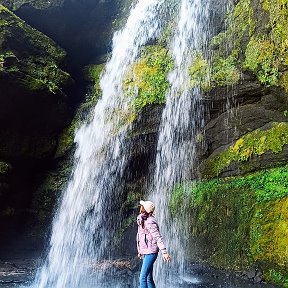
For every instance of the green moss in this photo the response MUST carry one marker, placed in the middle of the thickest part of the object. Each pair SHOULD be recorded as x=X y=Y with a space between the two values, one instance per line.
x=5 y=167
x=239 y=221
x=278 y=21
x=219 y=217
x=240 y=25
x=93 y=73
x=256 y=44
x=276 y=277
x=84 y=111
x=148 y=77
x=199 y=71
x=270 y=226
x=225 y=63
x=224 y=71
x=262 y=59
x=82 y=115
x=38 y=4
x=220 y=72
x=251 y=144
x=45 y=198
x=38 y=69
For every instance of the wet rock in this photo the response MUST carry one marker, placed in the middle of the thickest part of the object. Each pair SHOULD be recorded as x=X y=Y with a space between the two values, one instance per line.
x=34 y=105
x=251 y=273
x=34 y=109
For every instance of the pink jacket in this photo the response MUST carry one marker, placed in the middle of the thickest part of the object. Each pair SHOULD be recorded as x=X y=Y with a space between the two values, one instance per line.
x=149 y=239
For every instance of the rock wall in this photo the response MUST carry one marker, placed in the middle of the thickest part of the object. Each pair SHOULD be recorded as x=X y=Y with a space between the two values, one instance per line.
x=237 y=206
x=38 y=100
x=34 y=110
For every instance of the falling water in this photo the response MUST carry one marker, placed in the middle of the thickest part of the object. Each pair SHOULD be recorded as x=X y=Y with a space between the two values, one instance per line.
x=180 y=123
x=82 y=225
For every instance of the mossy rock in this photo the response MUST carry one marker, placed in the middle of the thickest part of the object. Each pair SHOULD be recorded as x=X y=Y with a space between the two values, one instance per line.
x=47 y=195
x=271 y=139
x=84 y=112
x=257 y=36
x=146 y=82
x=269 y=232
x=5 y=167
x=38 y=4
x=238 y=222
x=34 y=106
x=35 y=65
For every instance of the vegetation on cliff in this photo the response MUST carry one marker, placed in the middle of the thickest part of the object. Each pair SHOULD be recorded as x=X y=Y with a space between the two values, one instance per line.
x=239 y=222
x=249 y=216
x=255 y=40
x=253 y=144
x=147 y=79
x=29 y=56
x=38 y=4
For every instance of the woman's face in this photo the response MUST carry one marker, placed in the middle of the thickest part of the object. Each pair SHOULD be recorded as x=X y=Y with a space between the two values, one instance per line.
x=142 y=210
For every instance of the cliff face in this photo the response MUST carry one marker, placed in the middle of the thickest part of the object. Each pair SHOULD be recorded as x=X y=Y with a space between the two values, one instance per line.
x=237 y=209
x=238 y=205
x=38 y=99
x=34 y=109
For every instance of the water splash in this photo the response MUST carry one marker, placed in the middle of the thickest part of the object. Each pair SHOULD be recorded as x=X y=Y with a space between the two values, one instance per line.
x=86 y=213
x=181 y=120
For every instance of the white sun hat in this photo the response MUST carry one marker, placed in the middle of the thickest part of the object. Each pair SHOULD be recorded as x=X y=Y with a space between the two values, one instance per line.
x=148 y=206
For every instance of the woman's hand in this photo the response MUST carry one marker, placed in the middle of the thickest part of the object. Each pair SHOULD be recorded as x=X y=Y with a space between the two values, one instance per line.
x=166 y=257
x=140 y=256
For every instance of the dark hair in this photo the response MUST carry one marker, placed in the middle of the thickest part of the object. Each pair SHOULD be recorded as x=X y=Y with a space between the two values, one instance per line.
x=144 y=217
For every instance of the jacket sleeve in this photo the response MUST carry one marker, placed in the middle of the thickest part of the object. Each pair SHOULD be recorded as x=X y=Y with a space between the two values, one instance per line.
x=137 y=237
x=153 y=229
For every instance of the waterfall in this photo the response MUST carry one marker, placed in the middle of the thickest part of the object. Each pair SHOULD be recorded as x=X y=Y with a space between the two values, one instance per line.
x=85 y=220
x=86 y=217
x=181 y=120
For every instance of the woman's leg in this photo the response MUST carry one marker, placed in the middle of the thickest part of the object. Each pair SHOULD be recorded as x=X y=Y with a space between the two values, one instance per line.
x=147 y=270
x=150 y=280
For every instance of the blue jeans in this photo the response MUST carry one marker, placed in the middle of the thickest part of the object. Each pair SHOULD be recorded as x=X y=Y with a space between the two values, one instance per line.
x=146 y=274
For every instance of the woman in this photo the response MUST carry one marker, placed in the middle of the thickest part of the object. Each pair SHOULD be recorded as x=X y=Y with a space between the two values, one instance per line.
x=149 y=242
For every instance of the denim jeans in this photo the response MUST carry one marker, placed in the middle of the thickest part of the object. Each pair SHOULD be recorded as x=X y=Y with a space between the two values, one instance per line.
x=146 y=274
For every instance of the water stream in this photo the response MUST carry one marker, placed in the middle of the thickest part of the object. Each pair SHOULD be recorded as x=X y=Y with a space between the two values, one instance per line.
x=85 y=220
x=181 y=121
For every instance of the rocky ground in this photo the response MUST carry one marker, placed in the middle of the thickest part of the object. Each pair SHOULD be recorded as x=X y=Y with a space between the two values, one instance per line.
x=18 y=272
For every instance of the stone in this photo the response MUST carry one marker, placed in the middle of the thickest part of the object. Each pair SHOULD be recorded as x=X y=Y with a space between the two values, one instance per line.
x=251 y=273
x=39 y=4
x=34 y=106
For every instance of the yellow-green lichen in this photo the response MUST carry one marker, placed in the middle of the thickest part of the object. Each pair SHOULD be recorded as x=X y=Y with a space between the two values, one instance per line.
x=239 y=221
x=257 y=44
x=148 y=77
x=270 y=225
x=251 y=144
x=5 y=167
x=34 y=71
x=199 y=72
